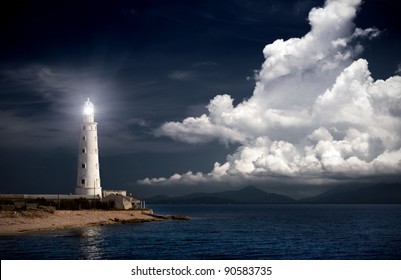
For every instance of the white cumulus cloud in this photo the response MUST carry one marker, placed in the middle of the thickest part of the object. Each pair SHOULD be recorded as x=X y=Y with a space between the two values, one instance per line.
x=316 y=112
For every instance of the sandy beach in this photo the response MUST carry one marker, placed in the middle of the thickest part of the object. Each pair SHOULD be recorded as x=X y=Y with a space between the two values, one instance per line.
x=19 y=222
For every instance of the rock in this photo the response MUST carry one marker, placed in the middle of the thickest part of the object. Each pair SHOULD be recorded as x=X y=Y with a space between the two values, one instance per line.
x=180 y=218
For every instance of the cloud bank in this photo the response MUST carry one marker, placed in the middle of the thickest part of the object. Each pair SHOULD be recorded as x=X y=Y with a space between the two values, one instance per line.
x=316 y=113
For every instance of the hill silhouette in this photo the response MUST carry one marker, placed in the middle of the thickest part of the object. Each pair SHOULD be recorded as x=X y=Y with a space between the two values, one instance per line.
x=248 y=195
x=374 y=194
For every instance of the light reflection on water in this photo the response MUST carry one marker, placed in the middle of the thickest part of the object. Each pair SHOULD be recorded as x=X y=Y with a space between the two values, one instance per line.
x=91 y=242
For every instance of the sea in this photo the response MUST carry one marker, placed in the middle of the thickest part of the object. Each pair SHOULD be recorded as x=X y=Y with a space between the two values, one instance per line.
x=249 y=232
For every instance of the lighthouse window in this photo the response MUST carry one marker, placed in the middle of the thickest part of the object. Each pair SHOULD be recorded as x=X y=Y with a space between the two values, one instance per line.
x=83 y=165
x=83 y=181
x=83 y=151
x=84 y=138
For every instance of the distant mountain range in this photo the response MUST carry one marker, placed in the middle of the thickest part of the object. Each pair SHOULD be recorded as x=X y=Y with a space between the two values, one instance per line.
x=376 y=194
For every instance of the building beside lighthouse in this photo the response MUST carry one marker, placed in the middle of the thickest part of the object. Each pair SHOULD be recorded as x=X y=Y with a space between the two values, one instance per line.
x=88 y=169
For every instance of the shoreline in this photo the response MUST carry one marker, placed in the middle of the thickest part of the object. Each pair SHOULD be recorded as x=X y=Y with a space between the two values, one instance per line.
x=21 y=222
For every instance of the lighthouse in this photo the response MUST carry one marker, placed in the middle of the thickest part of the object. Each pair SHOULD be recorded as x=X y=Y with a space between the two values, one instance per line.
x=88 y=173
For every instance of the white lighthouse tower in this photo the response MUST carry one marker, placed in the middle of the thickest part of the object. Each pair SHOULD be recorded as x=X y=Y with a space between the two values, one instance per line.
x=88 y=174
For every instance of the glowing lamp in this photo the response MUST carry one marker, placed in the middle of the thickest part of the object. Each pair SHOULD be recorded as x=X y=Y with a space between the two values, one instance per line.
x=88 y=108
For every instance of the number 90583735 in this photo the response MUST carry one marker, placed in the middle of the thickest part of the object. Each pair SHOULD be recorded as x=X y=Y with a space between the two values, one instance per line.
x=248 y=270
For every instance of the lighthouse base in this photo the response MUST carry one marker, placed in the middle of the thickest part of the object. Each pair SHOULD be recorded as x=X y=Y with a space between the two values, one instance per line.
x=89 y=191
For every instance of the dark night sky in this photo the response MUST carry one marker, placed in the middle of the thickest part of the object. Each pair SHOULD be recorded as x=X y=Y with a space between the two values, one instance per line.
x=147 y=64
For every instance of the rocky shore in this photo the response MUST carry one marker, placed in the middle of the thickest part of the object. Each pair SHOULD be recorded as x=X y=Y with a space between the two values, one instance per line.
x=19 y=222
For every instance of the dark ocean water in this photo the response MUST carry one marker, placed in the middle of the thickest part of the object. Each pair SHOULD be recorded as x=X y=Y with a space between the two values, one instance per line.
x=228 y=232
